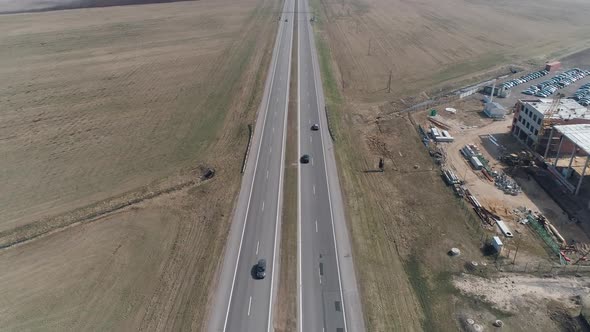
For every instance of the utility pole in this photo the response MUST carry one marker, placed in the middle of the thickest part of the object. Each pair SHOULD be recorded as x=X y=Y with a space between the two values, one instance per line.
x=389 y=82
x=517 y=245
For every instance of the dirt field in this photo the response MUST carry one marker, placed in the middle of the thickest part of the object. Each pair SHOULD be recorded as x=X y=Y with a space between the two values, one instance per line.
x=550 y=304
x=100 y=102
x=427 y=43
x=404 y=221
x=94 y=107
x=24 y=6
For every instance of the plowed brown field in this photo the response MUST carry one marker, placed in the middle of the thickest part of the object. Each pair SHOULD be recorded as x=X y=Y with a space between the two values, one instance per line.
x=97 y=104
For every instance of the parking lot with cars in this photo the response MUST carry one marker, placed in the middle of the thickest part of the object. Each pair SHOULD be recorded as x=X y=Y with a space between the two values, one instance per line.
x=559 y=81
x=523 y=79
x=583 y=95
x=579 y=88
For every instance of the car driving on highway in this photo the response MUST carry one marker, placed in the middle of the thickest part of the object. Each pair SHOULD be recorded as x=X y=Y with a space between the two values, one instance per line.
x=315 y=127
x=261 y=269
x=305 y=159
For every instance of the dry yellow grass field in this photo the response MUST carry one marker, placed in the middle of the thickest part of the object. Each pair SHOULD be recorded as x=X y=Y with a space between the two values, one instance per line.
x=425 y=43
x=404 y=221
x=97 y=101
x=103 y=103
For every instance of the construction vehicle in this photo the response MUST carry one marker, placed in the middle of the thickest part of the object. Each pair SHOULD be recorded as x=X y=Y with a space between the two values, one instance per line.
x=523 y=158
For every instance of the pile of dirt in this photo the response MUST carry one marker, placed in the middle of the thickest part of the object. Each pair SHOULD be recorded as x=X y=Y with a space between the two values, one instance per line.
x=514 y=293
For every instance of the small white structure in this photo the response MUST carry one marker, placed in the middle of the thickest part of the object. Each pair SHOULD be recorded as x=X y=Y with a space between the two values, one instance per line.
x=497 y=244
x=441 y=136
x=494 y=110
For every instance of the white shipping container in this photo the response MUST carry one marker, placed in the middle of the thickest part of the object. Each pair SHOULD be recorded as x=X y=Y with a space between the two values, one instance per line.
x=475 y=162
x=497 y=244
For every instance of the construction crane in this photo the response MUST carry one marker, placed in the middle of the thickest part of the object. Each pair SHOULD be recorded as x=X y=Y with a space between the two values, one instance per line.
x=548 y=118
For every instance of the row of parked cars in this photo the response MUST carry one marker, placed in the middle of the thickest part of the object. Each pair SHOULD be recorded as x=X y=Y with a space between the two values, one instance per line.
x=523 y=79
x=583 y=95
x=548 y=87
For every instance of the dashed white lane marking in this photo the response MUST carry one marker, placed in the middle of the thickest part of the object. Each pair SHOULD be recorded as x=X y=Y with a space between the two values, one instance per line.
x=267 y=174
x=270 y=150
x=273 y=129
x=311 y=161
x=263 y=206
x=310 y=140
x=249 y=305
x=316 y=226
x=257 y=244
x=309 y=121
x=314 y=189
x=319 y=276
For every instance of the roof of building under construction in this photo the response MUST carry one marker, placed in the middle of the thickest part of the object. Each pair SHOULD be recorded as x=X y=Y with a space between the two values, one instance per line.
x=579 y=134
x=567 y=109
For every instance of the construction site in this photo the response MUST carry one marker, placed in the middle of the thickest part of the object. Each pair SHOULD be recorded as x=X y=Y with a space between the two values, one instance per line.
x=521 y=173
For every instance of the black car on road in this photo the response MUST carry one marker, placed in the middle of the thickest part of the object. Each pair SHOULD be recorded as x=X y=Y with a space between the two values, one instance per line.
x=260 y=269
x=305 y=159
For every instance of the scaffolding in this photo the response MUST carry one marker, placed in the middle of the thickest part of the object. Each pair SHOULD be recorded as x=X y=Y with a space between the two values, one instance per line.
x=548 y=120
x=546 y=237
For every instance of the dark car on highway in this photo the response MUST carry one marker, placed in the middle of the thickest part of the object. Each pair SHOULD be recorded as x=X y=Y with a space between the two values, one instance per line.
x=261 y=269
x=305 y=159
x=315 y=127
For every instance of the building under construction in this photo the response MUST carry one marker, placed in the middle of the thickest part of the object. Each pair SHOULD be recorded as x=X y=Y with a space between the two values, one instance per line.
x=533 y=119
x=570 y=152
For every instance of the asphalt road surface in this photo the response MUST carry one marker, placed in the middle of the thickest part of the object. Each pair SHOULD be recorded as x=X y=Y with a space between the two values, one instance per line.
x=242 y=302
x=328 y=295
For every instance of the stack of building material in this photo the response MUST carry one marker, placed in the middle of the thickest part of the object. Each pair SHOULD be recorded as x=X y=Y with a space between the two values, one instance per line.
x=438 y=122
x=506 y=184
x=441 y=135
x=475 y=163
x=469 y=150
x=450 y=177
x=504 y=228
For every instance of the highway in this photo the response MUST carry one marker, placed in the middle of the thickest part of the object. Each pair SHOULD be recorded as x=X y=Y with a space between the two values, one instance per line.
x=243 y=303
x=327 y=294
x=328 y=298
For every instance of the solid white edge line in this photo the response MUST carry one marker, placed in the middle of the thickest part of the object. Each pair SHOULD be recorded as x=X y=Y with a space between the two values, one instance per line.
x=315 y=72
x=249 y=305
x=299 y=275
x=231 y=292
x=279 y=201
